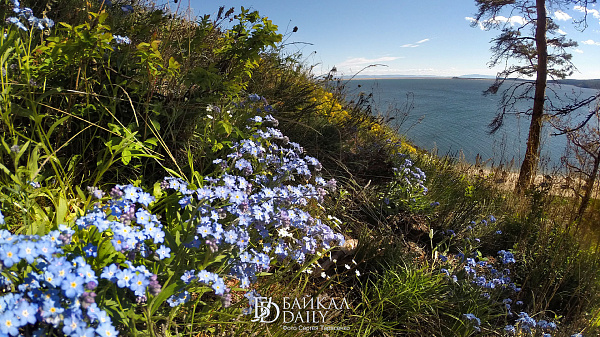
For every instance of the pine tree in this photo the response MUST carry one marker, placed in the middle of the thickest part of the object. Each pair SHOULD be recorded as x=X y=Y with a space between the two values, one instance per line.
x=531 y=47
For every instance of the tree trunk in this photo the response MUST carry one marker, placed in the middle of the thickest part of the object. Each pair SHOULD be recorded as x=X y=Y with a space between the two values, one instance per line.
x=530 y=162
x=588 y=190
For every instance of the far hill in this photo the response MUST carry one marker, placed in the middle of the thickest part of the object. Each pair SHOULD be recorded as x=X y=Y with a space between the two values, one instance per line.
x=475 y=77
x=591 y=84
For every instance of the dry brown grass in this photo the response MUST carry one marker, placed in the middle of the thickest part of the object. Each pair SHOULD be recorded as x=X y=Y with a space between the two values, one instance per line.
x=562 y=185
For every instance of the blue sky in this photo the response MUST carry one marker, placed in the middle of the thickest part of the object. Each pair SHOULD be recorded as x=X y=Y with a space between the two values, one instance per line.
x=432 y=37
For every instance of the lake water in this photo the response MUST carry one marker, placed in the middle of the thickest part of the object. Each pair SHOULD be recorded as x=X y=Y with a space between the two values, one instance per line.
x=455 y=117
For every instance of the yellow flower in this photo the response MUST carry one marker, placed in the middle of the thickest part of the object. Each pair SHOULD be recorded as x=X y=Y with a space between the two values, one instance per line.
x=408 y=147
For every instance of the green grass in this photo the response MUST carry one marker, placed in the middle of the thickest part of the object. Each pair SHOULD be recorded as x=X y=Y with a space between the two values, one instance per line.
x=103 y=121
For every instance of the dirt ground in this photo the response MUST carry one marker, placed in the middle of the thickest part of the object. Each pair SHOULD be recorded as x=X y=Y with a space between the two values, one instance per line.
x=558 y=184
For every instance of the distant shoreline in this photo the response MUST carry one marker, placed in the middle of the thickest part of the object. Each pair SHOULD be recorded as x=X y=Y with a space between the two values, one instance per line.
x=586 y=84
x=400 y=78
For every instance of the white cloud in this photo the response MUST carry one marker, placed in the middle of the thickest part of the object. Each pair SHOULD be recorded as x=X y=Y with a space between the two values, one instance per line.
x=414 y=45
x=591 y=42
x=362 y=61
x=420 y=70
x=561 y=32
x=579 y=51
x=562 y=16
x=513 y=20
x=593 y=12
x=400 y=71
x=386 y=71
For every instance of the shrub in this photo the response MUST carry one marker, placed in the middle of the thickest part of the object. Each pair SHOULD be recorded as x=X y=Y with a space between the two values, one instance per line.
x=253 y=211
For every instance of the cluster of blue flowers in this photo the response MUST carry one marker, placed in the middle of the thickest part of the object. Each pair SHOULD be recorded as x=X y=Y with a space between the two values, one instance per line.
x=131 y=226
x=485 y=275
x=501 y=282
x=472 y=229
x=133 y=230
x=57 y=292
x=492 y=275
x=474 y=321
x=411 y=175
x=26 y=15
x=507 y=257
x=527 y=325
x=121 y=39
x=216 y=282
x=256 y=206
x=137 y=279
x=407 y=189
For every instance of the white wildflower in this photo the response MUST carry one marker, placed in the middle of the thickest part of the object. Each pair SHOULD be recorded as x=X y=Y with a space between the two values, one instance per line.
x=284 y=233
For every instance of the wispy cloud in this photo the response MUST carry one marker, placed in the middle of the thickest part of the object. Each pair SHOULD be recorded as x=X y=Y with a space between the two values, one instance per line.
x=513 y=20
x=561 y=16
x=561 y=32
x=414 y=45
x=400 y=71
x=362 y=61
x=591 y=42
x=579 y=51
x=594 y=12
x=420 y=71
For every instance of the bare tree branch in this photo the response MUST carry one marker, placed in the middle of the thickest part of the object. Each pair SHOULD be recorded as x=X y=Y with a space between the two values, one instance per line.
x=534 y=49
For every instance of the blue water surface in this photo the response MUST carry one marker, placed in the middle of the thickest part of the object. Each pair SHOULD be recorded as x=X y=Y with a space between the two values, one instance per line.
x=451 y=116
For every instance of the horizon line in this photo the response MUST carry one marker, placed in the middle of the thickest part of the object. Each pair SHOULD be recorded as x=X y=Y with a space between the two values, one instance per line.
x=467 y=76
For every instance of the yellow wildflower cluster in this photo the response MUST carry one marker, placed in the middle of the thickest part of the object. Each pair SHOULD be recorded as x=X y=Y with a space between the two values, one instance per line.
x=377 y=130
x=382 y=131
x=329 y=106
x=408 y=148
